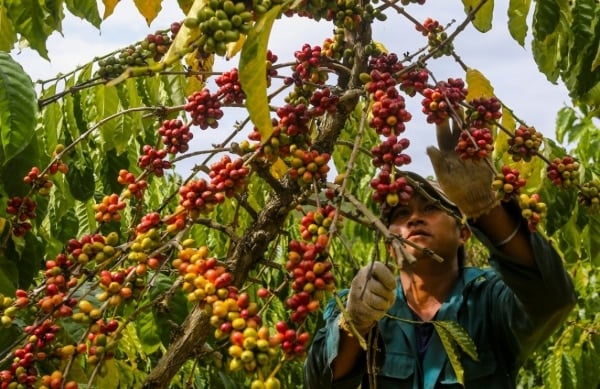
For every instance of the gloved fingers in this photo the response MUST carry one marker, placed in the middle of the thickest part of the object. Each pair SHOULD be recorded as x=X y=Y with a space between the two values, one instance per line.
x=383 y=275
x=447 y=136
x=380 y=303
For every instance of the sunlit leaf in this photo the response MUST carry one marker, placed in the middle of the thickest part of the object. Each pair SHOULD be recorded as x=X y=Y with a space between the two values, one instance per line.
x=149 y=9
x=29 y=20
x=460 y=336
x=18 y=108
x=8 y=35
x=517 y=19
x=234 y=47
x=590 y=239
x=483 y=17
x=202 y=63
x=85 y=9
x=253 y=70
x=279 y=168
x=478 y=85
x=181 y=45
x=109 y=7
x=452 y=352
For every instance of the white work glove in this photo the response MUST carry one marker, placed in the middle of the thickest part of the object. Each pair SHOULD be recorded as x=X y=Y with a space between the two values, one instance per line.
x=467 y=183
x=366 y=308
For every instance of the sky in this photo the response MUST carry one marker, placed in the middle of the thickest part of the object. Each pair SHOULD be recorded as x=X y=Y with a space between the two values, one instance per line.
x=509 y=67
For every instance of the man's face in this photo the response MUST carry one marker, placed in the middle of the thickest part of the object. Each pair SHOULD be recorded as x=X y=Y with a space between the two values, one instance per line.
x=423 y=223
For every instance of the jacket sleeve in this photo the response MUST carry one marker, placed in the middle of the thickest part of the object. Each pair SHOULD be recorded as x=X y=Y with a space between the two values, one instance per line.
x=322 y=352
x=528 y=305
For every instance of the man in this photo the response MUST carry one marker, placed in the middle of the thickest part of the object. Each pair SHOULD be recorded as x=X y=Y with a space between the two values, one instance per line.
x=507 y=311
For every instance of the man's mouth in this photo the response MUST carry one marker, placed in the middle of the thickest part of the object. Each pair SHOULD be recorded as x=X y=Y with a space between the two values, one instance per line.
x=417 y=233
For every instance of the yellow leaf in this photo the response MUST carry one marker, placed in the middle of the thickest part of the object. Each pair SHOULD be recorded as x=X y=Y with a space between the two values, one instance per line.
x=279 y=168
x=478 y=85
x=198 y=61
x=234 y=47
x=109 y=7
x=501 y=138
x=483 y=18
x=181 y=45
x=2 y=224
x=149 y=9
x=253 y=72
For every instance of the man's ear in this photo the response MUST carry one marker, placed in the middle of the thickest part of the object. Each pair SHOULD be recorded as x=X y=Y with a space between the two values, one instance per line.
x=465 y=233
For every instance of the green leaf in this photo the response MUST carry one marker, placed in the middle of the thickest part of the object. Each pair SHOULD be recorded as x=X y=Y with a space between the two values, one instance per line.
x=85 y=9
x=559 y=371
x=253 y=70
x=9 y=274
x=517 y=19
x=565 y=120
x=460 y=336
x=546 y=18
x=450 y=346
x=590 y=239
x=18 y=108
x=28 y=18
x=147 y=331
x=8 y=35
x=483 y=18
x=81 y=178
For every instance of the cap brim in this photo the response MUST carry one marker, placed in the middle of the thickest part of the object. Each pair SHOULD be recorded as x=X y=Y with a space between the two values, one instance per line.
x=431 y=188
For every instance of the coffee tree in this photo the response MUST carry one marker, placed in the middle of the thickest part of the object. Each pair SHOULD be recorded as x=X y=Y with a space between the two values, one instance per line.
x=118 y=270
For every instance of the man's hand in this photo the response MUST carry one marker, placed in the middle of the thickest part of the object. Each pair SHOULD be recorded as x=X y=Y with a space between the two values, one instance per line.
x=370 y=297
x=468 y=184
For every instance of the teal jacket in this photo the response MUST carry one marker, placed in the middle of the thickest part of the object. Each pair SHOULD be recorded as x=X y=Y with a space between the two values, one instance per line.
x=508 y=311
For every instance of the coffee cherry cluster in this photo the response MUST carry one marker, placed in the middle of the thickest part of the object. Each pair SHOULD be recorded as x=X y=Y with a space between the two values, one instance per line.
x=23 y=208
x=323 y=102
x=444 y=98
x=307 y=74
x=384 y=63
x=148 y=221
x=532 y=209
x=391 y=152
x=309 y=166
x=108 y=209
x=413 y=80
x=508 y=183
x=22 y=372
x=175 y=136
x=390 y=190
x=563 y=172
x=230 y=90
x=475 y=144
x=252 y=349
x=101 y=341
x=58 y=282
x=199 y=197
x=290 y=128
x=115 y=287
x=436 y=36
x=310 y=270
x=56 y=381
x=229 y=176
x=154 y=161
x=389 y=112
x=92 y=247
x=482 y=112
x=38 y=181
x=204 y=108
x=9 y=306
x=135 y=187
x=334 y=47
x=293 y=341
x=153 y=47
x=589 y=195
x=144 y=244
x=220 y=23
x=525 y=143
x=315 y=225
